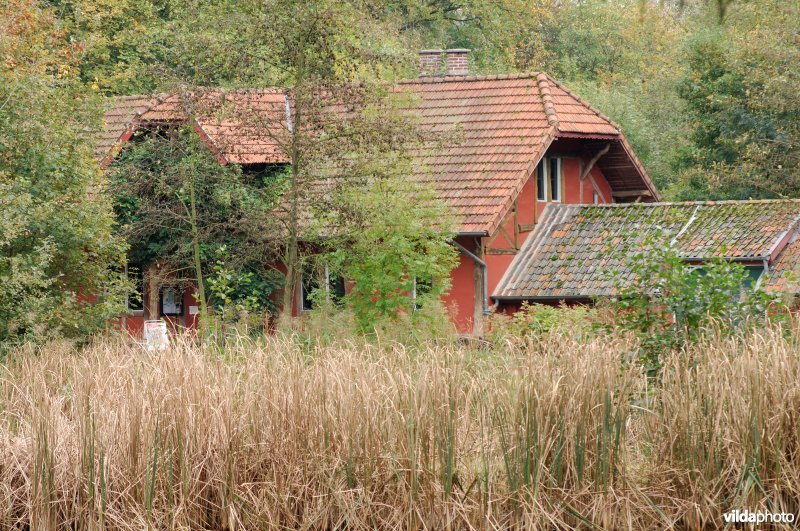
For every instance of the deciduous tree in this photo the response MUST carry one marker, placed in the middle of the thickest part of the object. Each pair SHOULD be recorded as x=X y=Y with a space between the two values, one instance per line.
x=57 y=250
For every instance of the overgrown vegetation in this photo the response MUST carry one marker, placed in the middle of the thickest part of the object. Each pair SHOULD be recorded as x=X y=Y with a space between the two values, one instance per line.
x=553 y=433
x=667 y=303
x=56 y=242
x=396 y=251
x=181 y=210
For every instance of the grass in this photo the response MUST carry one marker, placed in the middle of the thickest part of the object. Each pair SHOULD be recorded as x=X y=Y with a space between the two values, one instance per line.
x=542 y=434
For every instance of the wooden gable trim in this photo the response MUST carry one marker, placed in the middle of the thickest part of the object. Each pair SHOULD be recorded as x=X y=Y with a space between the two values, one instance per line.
x=512 y=241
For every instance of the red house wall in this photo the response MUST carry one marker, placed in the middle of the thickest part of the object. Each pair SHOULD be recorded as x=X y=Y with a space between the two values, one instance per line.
x=134 y=324
x=529 y=209
x=460 y=300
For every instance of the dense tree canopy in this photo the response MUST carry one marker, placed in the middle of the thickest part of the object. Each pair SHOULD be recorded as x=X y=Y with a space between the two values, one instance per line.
x=56 y=240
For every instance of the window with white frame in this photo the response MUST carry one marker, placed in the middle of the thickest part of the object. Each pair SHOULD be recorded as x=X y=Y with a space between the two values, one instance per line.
x=554 y=174
x=541 y=181
x=422 y=287
x=310 y=284
x=549 y=179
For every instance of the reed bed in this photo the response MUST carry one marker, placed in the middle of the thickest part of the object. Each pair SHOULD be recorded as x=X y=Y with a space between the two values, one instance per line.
x=546 y=434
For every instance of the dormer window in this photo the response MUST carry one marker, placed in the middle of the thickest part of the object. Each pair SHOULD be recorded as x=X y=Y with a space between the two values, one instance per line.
x=549 y=179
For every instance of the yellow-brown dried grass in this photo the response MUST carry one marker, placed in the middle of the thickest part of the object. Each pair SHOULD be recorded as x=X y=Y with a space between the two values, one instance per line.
x=549 y=434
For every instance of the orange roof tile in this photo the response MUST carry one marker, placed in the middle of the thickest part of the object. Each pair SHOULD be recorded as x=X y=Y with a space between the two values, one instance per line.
x=240 y=137
x=495 y=130
x=119 y=118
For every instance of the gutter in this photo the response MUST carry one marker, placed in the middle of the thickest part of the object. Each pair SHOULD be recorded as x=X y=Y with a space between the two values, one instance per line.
x=480 y=263
x=579 y=298
x=762 y=275
x=692 y=260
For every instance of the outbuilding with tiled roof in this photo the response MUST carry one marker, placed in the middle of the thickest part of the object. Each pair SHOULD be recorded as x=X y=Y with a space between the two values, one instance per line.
x=581 y=252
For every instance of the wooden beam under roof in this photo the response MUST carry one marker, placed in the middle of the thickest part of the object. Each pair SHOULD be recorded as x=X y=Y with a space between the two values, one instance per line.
x=631 y=193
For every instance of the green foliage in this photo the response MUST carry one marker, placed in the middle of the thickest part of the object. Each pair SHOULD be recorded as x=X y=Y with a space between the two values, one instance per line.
x=132 y=46
x=667 y=303
x=742 y=99
x=235 y=293
x=153 y=180
x=397 y=233
x=536 y=321
x=57 y=251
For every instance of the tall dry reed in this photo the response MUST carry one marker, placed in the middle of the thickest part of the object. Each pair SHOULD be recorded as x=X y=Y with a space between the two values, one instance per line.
x=272 y=435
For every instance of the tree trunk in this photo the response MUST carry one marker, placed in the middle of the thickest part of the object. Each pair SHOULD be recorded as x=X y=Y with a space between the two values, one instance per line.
x=152 y=286
x=291 y=256
x=202 y=322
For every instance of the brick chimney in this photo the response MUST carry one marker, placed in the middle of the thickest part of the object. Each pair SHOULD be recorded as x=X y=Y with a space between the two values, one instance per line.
x=454 y=62
x=430 y=62
x=457 y=62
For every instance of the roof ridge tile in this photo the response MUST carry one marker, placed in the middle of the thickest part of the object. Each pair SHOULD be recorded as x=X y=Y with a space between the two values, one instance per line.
x=547 y=99
x=468 y=78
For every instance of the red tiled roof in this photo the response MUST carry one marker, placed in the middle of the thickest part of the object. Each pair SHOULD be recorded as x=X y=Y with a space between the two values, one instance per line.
x=505 y=124
x=494 y=129
x=500 y=131
x=119 y=120
x=784 y=275
x=576 y=249
x=240 y=126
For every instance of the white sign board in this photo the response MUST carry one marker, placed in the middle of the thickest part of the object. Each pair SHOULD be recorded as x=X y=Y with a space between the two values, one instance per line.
x=155 y=335
x=171 y=303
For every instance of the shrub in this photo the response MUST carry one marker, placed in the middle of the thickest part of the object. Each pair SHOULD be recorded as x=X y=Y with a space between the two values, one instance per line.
x=668 y=303
x=401 y=240
x=533 y=321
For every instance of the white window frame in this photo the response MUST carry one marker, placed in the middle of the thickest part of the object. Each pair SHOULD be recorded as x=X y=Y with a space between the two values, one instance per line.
x=543 y=192
x=560 y=179
x=546 y=190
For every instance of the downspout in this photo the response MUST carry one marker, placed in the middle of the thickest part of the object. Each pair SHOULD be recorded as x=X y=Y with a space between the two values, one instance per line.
x=485 y=284
x=765 y=262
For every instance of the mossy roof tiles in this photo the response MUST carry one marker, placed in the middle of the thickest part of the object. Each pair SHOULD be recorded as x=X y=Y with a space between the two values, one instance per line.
x=582 y=251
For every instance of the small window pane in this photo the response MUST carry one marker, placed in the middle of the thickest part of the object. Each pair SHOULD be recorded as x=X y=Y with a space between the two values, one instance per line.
x=136 y=297
x=555 y=179
x=541 y=181
x=171 y=301
x=336 y=289
x=308 y=285
x=753 y=275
